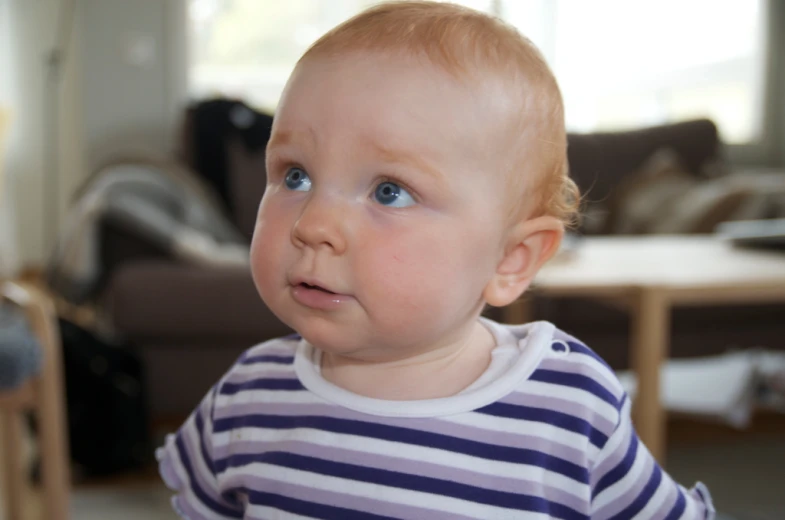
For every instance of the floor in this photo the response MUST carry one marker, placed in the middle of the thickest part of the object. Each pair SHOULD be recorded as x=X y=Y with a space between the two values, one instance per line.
x=746 y=478
x=745 y=473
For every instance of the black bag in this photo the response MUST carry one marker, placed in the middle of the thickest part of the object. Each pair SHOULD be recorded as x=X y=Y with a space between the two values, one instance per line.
x=107 y=413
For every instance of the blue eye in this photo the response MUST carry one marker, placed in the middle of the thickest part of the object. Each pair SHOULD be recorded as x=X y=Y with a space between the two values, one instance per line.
x=297 y=180
x=390 y=194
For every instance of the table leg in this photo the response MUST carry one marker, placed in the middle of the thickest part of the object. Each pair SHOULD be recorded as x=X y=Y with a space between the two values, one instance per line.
x=650 y=336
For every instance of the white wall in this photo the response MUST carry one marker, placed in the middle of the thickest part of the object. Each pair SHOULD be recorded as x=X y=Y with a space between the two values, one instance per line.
x=121 y=90
x=30 y=29
x=134 y=70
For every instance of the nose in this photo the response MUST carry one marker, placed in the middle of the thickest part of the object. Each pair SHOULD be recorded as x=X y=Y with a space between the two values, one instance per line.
x=321 y=225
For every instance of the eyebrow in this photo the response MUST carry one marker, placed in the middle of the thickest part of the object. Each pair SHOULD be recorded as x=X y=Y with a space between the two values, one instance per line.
x=397 y=157
x=390 y=155
x=285 y=137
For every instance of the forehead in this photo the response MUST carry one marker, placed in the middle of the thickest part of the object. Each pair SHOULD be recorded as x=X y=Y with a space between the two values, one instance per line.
x=387 y=96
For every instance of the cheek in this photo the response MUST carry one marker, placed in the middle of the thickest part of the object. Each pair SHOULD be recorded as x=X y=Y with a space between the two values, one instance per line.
x=271 y=234
x=418 y=269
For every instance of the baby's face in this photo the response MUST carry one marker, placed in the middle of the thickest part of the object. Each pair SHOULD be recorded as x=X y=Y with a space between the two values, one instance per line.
x=383 y=218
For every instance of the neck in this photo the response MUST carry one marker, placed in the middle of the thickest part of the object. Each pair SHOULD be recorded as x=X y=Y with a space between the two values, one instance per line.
x=441 y=371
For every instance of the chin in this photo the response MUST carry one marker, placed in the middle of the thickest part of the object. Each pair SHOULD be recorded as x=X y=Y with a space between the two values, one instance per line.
x=327 y=335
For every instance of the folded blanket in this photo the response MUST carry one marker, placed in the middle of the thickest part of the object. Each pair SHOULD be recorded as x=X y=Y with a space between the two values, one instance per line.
x=159 y=202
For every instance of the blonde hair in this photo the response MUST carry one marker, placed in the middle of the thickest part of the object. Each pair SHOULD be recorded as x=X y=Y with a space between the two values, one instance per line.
x=469 y=44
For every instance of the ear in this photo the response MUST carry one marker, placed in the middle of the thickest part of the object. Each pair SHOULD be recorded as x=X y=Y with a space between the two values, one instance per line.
x=529 y=245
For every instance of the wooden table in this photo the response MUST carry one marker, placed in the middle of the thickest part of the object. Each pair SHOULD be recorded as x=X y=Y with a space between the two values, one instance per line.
x=649 y=276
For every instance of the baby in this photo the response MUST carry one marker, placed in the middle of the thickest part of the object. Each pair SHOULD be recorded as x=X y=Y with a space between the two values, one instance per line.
x=416 y=173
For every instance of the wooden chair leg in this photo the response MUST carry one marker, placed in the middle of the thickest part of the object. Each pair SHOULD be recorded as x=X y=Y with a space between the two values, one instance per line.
x=13 y=471
x=49 y=402
x=50 y=409
x=54 y=461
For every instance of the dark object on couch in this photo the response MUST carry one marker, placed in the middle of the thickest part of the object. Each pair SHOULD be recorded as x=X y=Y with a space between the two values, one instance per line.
x=191 y=323
x=210 y=127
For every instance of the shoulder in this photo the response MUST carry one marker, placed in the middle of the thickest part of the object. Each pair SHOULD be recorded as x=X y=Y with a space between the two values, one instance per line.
x=565 y=363
x=584 y=379
x=573 y=388
x=572 y=363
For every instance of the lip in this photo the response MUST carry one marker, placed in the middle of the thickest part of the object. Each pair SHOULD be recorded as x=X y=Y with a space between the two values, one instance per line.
x=315 y=295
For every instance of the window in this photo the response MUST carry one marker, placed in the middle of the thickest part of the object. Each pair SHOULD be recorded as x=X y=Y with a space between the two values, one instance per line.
x=247 y=48
x=620 y=64
x=625 y=64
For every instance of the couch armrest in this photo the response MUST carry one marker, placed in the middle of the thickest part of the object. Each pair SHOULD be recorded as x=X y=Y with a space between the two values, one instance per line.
x=159 y=301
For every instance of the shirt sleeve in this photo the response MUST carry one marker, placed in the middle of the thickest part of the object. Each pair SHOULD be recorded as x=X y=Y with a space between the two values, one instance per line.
x=187 y=467
x=626 y=482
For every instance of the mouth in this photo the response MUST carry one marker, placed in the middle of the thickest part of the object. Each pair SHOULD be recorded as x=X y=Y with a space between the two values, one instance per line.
x=313 y=295
x=314 y=288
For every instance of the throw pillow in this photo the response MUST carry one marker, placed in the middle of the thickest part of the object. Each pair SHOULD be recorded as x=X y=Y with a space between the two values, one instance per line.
x=645 y=196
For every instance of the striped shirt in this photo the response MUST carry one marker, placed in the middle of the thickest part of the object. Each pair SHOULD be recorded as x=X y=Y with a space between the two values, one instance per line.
x=544 y=433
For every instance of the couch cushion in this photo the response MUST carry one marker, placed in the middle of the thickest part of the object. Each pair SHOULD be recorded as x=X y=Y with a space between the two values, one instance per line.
x=162 y=302
x=663 y=197
x=648 y=193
